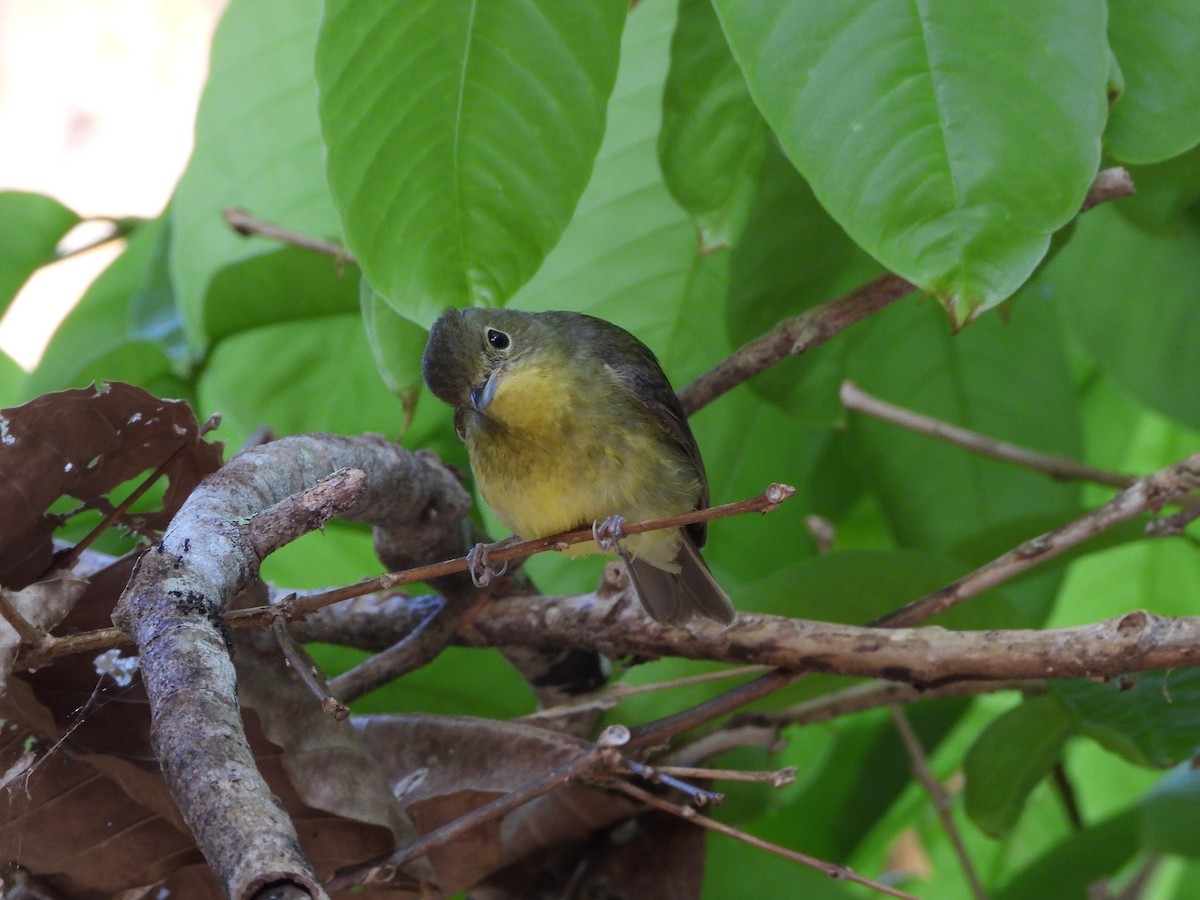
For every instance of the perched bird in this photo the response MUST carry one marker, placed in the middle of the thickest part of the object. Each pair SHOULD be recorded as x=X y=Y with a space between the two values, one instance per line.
x=569 y=420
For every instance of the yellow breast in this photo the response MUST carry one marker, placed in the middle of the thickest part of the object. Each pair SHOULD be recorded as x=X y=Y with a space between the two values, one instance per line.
x=557 y=451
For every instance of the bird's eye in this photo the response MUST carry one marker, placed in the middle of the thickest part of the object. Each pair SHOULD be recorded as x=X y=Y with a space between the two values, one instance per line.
x=498 y=339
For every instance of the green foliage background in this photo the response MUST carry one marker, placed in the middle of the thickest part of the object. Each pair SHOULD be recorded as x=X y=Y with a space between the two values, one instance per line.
x=697 y=173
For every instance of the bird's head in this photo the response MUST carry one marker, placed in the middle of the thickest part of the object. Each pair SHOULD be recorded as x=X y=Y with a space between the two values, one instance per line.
x=470 y=350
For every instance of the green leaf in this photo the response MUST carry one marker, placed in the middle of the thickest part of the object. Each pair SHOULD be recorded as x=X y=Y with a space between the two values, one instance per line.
x=1165 y=192
x=122 y=327
x=280 y=285
x=31 y=225
x=712 y=137
x=460 y=135
x=1130 y=297
x=1010 y=758
x=857 y=586
x=258 y=147
x=949 y=139
x=907 y=356
x=296 y=377
x=791 y=257
x=1157 y=43
x=1151 y=719
x=1170 y=813
x=630 y=254
x=1071 y=867
x=12 y=382
x=862 y=776
x=397 y=344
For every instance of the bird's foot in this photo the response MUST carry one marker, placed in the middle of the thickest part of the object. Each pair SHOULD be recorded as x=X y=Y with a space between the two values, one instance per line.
x=608 y=534
x=482 y=571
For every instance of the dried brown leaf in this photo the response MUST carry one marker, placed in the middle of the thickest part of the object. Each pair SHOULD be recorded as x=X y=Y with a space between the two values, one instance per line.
x=82 y=443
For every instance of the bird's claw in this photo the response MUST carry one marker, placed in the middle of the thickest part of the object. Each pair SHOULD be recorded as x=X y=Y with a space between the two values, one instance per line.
x=482 y=571
x=608 y=533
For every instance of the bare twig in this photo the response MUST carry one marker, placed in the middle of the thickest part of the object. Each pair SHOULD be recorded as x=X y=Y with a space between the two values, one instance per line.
x=834 y=871
x=613 y=694
x=938 y=794
x=778 y=778
x=247 y=224
x=699 y=796
x=105 y=638
x=1109 y=184
x=29 y=634
x=876 y=694
x=1060 y=467
x=508 y=552
x=68 y=559
x=816 y=326
x=1150 y=492
x=791 y=337
x=299 y=662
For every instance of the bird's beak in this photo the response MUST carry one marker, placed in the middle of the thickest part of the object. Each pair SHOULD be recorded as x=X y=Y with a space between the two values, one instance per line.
x=482 y=396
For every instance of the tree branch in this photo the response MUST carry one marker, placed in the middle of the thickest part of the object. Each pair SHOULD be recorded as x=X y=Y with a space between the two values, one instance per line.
x=173 y=609
x=1061 y=467
x=927 y=657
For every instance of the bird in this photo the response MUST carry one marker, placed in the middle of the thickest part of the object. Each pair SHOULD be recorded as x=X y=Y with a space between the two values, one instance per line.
x=570 y=421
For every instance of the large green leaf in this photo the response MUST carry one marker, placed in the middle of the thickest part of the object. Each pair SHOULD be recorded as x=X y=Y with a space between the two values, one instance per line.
x=1170 y=813
x=1152 y=719
x=630 y=254
x=713 y=136
x=949 y=139
x=460 y=135
x=1076 y=863
x=124 y=328
x=397 y=343
x=1008 y=760
x=791 y=257
x=296 y=377
x=1130 y=296
x=1157 y=44
x=12 y=381
x=31 y=225
x=985 y=378
x=258 y=146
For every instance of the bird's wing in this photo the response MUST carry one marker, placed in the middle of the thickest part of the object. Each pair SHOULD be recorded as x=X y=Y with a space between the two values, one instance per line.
x=642 y=376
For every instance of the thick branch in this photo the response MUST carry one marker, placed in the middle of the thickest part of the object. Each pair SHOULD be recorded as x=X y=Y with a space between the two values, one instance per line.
x=173 y=608
x=926 y=656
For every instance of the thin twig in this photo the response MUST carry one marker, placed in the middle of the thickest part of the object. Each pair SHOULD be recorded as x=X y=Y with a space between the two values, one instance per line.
x=604 y=756
x=938 y=794
x=875 y=694
x=303 y=667
x=834 y=871
x=1059 y=467
x=247 y=224
x=1150 y=492
x=613 y=694
x=791 y=337
x=28 y=633
x=778 y=778
x=661 y=731
x=774 y=495
x=68 y=559
x=105 y=638
x=1109 y=184
x=699 y=796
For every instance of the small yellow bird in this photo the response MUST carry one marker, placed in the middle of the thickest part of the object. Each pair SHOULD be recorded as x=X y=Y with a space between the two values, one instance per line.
x=569 y=420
